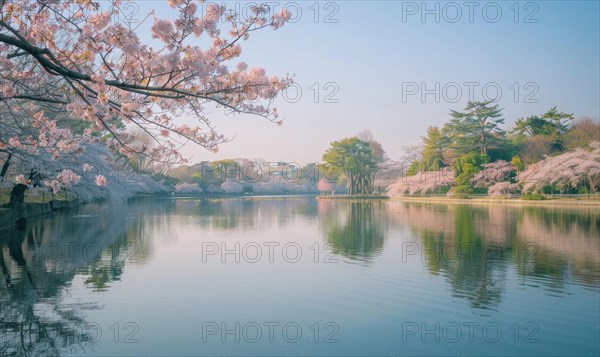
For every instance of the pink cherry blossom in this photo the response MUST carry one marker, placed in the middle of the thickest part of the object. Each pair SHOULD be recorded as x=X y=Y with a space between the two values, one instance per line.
x=581 y=166
x=281 y=18
x=325 y=185
x=422 y=182
x=99 y=21
x=21 y=179
x=8 y=91
x=492 y=173
x=14 y=142
x=67 y=178
x=101 y=180
x=503 y=188
x=175 y=3
x=104 y=73
x=163 y=30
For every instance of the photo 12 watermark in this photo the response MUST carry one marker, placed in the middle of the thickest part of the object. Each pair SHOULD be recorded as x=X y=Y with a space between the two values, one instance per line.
x=69 y=252
x=133 y=14
x=266 y=171
x=318 y=12
x=317 y=92
x=124 y=332
x=270 y=332
x=470 y=332
x=454 y=92
x=267 y=252
x=470 y=12
x=466 y=252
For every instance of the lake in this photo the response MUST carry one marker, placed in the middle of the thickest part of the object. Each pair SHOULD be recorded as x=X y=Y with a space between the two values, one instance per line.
x=299 y=276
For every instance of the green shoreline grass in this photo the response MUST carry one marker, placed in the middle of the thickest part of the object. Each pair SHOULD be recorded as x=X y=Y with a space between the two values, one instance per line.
x=29 y=198
x=353 y=197
x=476 y=200
x=582 y=201
x=426 y=199
x=503 y=201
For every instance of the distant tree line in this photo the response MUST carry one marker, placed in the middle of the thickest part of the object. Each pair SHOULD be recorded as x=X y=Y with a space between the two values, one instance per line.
x=472 y=140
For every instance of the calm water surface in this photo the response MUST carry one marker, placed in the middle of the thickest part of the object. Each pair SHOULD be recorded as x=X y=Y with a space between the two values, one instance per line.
x=299 y=276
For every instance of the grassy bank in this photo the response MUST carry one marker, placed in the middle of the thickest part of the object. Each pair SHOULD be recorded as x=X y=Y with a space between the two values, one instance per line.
x=503 y=201
x=353 y=197
x=35 y=198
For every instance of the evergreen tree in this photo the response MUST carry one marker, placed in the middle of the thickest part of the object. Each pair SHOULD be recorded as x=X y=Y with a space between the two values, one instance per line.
x=435 y=142
x=476 y=128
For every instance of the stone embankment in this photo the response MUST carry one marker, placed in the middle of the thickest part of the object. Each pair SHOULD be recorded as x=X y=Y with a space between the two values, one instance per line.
x=34 y=210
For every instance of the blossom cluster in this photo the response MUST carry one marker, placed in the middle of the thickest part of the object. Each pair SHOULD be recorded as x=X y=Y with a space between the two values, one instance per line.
x=422 y=182
x=492 y=173
x=76 y=59
x=581 y=166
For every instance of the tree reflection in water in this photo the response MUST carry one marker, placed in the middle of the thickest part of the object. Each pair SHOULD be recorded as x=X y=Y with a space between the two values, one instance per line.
x=38 y=264
x=475 y=270
x=473 y=246
x=354 y=229
x=256 y=212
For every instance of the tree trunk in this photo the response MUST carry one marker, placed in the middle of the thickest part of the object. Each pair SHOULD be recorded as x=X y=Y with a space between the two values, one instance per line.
x=593 y=181
x=17 y=202
x=5 y=167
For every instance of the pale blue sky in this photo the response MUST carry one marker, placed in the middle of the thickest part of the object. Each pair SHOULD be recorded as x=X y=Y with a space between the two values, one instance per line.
x=376 y=46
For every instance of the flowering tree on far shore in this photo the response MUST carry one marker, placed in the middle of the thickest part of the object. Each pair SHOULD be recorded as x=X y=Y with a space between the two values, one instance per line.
x=503 y=188
x=493 y=173
x=76 y=58
x=325 y=186
x=423 y=183
x=580 y=167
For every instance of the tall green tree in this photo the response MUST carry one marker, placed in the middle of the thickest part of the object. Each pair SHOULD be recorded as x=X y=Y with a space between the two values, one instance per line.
x=560 y=120
x=355 y=159
x=435 y=143
x=552 y=126
x=532 y=126
x=466 y=166
x=476 y=128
